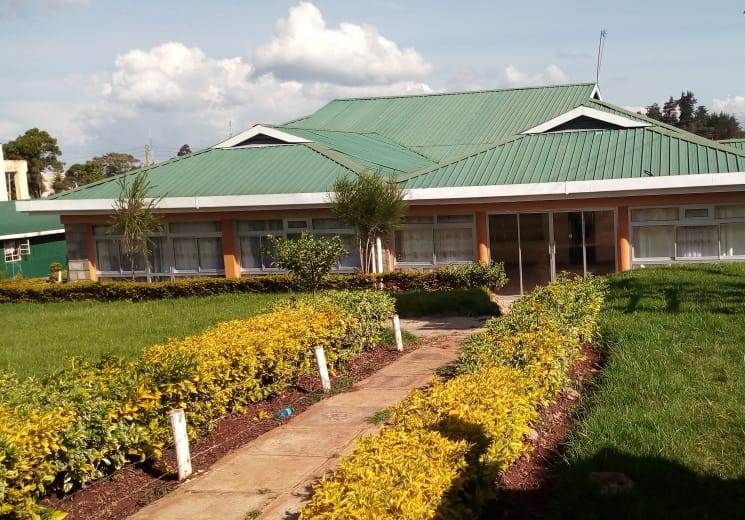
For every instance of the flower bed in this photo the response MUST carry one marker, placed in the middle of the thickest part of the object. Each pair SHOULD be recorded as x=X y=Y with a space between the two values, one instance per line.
x=443 y=447
x=457 y=277
x=59 y=433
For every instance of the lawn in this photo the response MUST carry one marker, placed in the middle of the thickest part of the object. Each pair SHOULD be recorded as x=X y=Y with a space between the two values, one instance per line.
x=38 y=338
x=669 y=409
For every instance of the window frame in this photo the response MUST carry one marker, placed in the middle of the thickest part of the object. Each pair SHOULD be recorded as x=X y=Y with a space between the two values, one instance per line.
x=435 y=226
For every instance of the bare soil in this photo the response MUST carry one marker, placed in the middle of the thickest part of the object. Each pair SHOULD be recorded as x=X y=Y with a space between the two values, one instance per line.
x=133 y=487
x=526 y=488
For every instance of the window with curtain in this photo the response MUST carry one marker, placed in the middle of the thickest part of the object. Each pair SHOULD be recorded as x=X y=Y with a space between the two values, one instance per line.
x=414 y=245
x=654 y=242
x=454 y=245
x=654 y=214
x=197 y=246
x=730 y=211
x=697 y=241
x=732 y=237
x=185 y=254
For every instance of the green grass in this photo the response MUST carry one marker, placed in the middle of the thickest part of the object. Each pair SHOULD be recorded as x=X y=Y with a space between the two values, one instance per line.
x=669 y=409
x=39 y=338
x=459 y=302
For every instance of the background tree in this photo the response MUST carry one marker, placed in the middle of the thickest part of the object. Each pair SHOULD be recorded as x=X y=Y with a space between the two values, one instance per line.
x=184 y=150
x=685 y=113
x=134 y=218
x=40 y=151
x=100 y=167
x=373 y=205
x=309 y=258
x=58 y=183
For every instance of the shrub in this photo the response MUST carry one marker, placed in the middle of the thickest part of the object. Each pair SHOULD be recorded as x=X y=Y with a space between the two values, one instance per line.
x=436 y=280
x=505 y=374
x=60 y=433
x=309 y=258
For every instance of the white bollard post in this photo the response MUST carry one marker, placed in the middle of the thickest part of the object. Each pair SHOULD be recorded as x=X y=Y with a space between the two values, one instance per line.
x=181 y=441
x=397 y=333
x=323 y=369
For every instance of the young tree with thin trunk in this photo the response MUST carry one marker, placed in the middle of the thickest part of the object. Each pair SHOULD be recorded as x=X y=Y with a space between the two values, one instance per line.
x=374 y=205
x=135 y=218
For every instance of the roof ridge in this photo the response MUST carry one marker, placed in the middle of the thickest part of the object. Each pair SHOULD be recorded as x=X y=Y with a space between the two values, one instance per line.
x=336 y=156
x=138 y=170
x=458 y=92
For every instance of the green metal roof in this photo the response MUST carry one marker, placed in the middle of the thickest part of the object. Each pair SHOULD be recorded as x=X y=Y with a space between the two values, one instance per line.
x=581 y=156
x=370 y=149
x=13 y=222
x=440 y=140
x=443 y=126
x=736 y=143
x=295 y=168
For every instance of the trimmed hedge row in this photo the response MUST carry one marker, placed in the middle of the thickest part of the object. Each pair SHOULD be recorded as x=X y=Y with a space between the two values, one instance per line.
x=454 y=277
x=442 y=449
x=60 y=433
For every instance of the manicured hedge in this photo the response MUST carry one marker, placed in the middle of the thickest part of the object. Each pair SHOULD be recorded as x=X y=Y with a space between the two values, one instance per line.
x=61 y=432
x=457 y=277
x=443 y=448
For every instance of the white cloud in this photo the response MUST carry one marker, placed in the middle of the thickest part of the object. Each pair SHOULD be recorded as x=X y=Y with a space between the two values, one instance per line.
x=303 y=47
x=552 y=75
x=732 y=105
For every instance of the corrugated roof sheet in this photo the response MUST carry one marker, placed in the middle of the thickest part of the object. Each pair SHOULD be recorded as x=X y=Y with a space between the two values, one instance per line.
x=370 y=149
x=581 y=156
x=296 y=168
x=735 y=143
x=443 y=126
x=13 y=222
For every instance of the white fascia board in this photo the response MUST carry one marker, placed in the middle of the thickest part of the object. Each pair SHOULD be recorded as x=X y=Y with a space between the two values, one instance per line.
x=32 y=234
x=696 y=183
x=613 y=119
x=263 y=130
x=595 y=94
x=584 y=189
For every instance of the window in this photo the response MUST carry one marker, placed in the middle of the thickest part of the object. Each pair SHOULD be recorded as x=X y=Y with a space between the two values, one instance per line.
x=435 y=240
x=254 y=245
x=654 y=242
x=686 y=238
x=181 y=248
x=654 y=214
x=697 y=242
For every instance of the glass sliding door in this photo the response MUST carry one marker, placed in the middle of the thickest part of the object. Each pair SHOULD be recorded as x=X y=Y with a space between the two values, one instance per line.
x=568 y=241
x=504 y=245
x=535 y=246
x=600 y=242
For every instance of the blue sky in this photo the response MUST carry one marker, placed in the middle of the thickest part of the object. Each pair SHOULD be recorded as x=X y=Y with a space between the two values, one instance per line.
x=109 y=75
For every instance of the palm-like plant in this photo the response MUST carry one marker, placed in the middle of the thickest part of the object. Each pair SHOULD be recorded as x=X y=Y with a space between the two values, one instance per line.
x=134 y=218
x=374 y=205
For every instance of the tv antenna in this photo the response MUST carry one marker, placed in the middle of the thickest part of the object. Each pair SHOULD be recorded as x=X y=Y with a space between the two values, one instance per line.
x=601 y=48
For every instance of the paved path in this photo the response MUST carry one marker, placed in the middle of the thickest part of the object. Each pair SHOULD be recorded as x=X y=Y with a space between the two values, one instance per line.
x=272 y=474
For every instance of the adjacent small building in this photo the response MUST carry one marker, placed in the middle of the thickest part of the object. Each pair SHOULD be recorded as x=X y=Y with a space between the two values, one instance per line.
x=30 y=243
x=544 y=179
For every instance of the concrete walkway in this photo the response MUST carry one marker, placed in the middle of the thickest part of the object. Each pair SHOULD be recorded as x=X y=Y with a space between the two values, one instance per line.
x=270 y=477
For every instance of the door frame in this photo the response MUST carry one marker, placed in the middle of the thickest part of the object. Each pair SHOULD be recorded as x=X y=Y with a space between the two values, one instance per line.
x=552 y=237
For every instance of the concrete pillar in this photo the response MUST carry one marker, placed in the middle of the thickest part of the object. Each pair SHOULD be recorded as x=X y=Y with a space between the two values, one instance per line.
x=230 y=254
x=624 y=239
x=482 y=238
x=90 y=248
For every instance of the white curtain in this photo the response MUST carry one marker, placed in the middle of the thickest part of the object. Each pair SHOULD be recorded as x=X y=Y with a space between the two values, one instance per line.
x=210 y=254
x=414 y=245
x=733 y=239
x=654 y=242
x=454 y=245
x=250 y=252
x=730 y=211
x=107 y=255
x=185 y=254
x=654 y=214
x=698 y=241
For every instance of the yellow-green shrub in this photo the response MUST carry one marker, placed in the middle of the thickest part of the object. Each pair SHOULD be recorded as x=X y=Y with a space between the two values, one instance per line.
x=71 y=428
x=517 y=365
x=397 y=474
